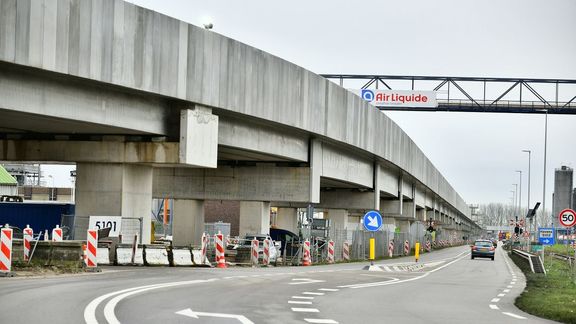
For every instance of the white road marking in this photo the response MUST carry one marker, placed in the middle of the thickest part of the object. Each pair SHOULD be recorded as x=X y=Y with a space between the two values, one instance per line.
x=509 y=287
x=303 y=281
x=302 y=297
x=190 y=313
x=387 y=269
x=506 y=290
x=495 y=300
x=513 y=315
x=494 y=306
x=305 y=310
x=299 y=302
x=328 y=289
x=512 y=282
x=501 y=295
x=313 y=293
x=320 y=321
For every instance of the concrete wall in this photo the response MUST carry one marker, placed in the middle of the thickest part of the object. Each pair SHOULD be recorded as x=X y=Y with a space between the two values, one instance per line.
x=118 y=43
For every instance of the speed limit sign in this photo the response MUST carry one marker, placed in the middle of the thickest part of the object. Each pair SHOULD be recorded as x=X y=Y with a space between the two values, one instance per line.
x=567 y=218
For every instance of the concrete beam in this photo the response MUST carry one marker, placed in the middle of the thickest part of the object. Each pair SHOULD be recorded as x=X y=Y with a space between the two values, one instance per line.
x=89 y=151
x=259 y=183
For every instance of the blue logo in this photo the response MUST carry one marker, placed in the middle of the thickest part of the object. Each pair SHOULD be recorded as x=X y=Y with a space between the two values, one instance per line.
x=368 y=95
x=372 y=221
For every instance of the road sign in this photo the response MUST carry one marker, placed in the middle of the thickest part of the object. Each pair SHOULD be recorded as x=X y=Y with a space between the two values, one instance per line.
x=546 y=236
x=567 y=218
x=372 y=221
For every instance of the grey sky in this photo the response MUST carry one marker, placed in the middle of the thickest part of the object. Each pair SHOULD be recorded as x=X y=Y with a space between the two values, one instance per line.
x=477 y=153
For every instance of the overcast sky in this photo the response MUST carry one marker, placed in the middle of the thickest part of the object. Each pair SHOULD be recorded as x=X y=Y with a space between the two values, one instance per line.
x=477 y=153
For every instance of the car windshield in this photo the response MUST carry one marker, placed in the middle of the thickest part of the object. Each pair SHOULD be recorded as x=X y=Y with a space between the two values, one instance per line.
x=482 y=243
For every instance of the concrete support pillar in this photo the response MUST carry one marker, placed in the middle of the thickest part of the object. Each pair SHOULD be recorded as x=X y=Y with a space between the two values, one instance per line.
x=409 y=209
x=188 y=222
x=254 y=217
x=338 y=217
x=315 y=170
x=198 y=123
x=287 y=218
x=376 y=186
x=115 y=190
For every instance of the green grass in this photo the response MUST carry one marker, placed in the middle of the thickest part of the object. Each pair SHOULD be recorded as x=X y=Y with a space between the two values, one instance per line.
x=560 y=249
x=552 y=296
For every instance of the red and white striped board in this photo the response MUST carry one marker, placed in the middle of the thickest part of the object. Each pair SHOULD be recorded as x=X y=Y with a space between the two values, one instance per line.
x=6 y=250
x=219 y=246
x=306 y=254
x=57 y=234
x=27 y=237
x=330 y=251
x=391 y=248
x=428 y=246
x=204 y=248
x=91 y=248
x=266 y=254
x=254 y=252
x=346 y=251
x=406 y=247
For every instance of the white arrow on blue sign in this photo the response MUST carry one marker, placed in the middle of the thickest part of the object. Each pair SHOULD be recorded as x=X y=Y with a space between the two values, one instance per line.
x=372 y=221
x=546 y=236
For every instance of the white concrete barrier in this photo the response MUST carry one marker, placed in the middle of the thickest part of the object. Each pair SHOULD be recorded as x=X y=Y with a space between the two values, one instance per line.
x=103 y=255
x=182 y=257
x=155 y=255
x=124 y=255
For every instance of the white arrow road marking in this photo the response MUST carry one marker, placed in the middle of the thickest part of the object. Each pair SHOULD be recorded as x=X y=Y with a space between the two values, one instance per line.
x=190 y=313
x=303 y=281
x=514 y=315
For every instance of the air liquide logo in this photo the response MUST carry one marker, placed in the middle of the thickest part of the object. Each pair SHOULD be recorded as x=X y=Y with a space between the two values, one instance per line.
x=367 y=95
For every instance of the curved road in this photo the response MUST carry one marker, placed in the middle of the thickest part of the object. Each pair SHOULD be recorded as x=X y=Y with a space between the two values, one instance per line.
x=444 y=287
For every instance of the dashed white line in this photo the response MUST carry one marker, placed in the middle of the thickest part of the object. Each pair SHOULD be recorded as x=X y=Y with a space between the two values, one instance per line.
x=313 y=293
x=509 y=287
x=501 y=295
x=513 y=315
x=328 y=289
x=320 y=321
x=506 y=290
x=493 y=306
x=299 y=302
x=495 y=300
x=305 y=310
x=302 y=297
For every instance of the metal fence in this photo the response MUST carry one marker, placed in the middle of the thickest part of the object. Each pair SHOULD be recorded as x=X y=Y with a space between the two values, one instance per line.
x=77 y=226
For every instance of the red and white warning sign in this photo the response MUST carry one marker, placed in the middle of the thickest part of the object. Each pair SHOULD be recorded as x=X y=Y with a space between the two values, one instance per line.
x=567 y=218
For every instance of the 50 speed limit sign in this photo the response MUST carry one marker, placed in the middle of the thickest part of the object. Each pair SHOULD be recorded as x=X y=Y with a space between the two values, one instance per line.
x=567 y=218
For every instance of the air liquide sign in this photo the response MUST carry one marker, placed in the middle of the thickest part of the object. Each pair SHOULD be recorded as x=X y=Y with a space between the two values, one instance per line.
x=400 y=98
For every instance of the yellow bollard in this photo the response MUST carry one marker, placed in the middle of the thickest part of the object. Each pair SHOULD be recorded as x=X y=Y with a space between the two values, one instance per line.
x=372 y=248
x=417 y=251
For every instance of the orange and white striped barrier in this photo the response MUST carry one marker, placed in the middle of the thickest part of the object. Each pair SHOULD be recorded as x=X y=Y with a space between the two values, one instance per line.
x=28 y=235
x=266 y=254
x=391 y=248
x=306 y=261
x=346 y=251
x=204 y=248
x=46 y=236
x=254 y=252
x=219 y=246
x=6 y=250
x=91 y=248
x=406 y=247
x=428 y=246
x=57 y=234
x=330 y=251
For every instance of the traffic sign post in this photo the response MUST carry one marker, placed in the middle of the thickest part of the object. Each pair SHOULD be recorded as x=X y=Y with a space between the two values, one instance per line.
x=567 y=218
x=372 y=222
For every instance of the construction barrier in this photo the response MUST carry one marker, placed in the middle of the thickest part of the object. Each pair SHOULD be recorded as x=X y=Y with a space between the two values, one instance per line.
x=266 y=252
x=254 y=252
x=219 y=246
x=204 y=248
x=57 y=234
x=91 y=249
x=428 y=246
x=306 y=261
x=103 y=254
x=406 y=248
x=156 y=255
x=46 y=236
x=126 y=254
x=330 y=251
x=391 y=248
x=200 y=259
x=28 y=235
x=181 y=257
x=346 y=251
x=6 y=250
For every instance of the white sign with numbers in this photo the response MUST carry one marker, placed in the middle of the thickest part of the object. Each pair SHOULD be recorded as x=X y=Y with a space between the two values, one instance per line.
x=101 y=222
x=567 y=218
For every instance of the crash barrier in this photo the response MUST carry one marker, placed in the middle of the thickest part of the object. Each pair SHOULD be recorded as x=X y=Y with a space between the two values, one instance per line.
x=219 y=250
x=406 y=248
x=330 y=257
x=534 y=261
x=28 y=234
x=155 y=255
x=182 y=257
x=126 y=254
x=306 y=254
x=57 y=234
x=266 y=254
x=91 y=248
x=103 y=254
x=254 y=252
x=6 y=250
x=346 y=251
x=391 y=248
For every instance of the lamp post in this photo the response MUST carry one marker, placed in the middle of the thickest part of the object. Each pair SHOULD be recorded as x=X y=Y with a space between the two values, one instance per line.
x=520 y=193
x=529 y=159
x=515 y=198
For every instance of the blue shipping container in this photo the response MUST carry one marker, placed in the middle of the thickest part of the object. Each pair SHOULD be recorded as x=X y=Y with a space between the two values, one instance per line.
x=39 y=215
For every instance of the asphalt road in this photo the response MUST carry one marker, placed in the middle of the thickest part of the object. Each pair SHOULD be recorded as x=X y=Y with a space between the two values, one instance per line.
x=444 y=287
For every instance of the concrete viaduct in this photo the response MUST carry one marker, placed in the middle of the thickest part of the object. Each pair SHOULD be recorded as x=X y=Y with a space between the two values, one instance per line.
x=149 y=106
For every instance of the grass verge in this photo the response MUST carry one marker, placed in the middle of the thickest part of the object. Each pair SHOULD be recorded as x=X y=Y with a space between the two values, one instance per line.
x=552 y=296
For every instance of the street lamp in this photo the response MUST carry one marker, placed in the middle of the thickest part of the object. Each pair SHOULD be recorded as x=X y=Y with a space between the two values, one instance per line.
x=515 y=197
x=520 y=193
x=529 y=159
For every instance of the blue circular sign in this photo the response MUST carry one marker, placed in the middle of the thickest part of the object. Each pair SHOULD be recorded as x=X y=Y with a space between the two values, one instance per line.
x=372 y=221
